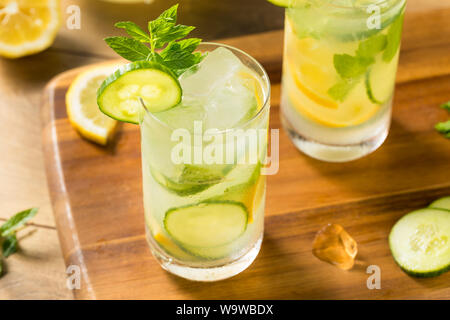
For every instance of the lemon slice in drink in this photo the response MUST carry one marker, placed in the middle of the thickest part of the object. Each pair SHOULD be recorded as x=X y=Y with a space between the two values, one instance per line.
x=27 y=26
x=81 y=103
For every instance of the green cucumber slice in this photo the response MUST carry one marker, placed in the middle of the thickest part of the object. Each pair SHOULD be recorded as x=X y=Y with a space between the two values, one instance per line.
x=207 y=224
x=118 y=96
x=380 y=81
x=442 y=203
x=420 y=242
x=193 y=178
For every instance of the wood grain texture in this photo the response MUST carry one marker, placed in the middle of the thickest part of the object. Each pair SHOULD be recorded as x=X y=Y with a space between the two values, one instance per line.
x=97 y=198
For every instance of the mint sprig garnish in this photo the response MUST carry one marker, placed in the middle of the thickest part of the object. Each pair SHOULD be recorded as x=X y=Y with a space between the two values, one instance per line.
x=163 y=33
x=8 y=231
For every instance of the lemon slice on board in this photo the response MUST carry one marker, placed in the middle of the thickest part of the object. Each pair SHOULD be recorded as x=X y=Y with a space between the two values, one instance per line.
x=27 y=26
x=82 y=108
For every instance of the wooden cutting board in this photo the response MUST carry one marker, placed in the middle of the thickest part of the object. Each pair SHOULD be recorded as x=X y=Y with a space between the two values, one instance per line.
x=97 y=197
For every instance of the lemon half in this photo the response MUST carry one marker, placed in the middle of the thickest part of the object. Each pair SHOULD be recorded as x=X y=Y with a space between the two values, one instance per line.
x=82 y=108
x=27 y=26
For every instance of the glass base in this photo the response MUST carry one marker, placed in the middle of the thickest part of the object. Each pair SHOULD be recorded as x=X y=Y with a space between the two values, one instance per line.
x=332 y=152
x=204 y=273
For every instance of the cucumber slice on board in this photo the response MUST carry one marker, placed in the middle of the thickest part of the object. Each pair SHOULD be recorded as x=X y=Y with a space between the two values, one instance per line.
x=118 y=96
x=206 y=226
x=420 y=242
x=442 y=203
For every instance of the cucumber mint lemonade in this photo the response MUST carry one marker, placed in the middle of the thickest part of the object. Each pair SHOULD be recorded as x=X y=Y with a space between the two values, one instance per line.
x=339 y=68
x=203 y=112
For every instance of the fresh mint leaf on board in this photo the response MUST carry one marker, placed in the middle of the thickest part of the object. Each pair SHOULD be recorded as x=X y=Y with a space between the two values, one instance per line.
x=164 y=33
x=8 y=230
x=443 y=127
x=129 y=48
x=16 y=221
x=393 y=39
x=9 y=245
x=446 y=106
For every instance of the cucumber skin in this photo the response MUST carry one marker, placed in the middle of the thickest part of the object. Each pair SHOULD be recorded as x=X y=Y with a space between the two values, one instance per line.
x=428 y=274
x=369 y=89
x=133 y=66
x=186 y=248
x=434 y=206
x=422 y=274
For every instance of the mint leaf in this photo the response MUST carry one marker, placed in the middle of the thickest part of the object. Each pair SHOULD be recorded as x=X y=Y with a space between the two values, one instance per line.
x=164 y=28
x=179 y=56
x=170 y=32
x=170 y=15
x=393 y=39
x=443 y=127
x=128 y=48
x=372 y=46
x=348 y=66
x=341 y=89
x=446 y=106
x=134 y=30
x=9 y=245
x=17 y=221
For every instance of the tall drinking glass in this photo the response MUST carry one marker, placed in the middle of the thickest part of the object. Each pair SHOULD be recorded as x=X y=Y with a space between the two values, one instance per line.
x=205 y=217
x=339 y=68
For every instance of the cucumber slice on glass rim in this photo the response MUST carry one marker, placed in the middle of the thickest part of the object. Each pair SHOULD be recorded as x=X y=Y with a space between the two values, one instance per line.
x=420 y=242
x=119 y=95
x=206 y=225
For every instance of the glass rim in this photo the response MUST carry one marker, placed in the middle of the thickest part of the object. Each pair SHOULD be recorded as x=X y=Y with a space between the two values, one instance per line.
x=264 y=78
x=379 y=2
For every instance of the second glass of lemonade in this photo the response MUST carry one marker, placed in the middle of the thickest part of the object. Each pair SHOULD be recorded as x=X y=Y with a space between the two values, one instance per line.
x=339 y=69
x=204 y=218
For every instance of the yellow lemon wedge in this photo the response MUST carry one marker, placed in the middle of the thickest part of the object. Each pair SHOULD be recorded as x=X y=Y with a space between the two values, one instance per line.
x=82 y=108
x=27 y=26
x=254 y=84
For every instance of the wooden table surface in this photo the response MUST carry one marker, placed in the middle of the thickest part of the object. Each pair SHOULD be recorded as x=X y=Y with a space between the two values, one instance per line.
x=38 y=271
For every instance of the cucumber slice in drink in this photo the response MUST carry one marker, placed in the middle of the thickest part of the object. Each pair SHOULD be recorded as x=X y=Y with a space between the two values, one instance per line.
x=201 y=227
x=118 y=96
x=442 y=203
x=420 y=242
x=193 y=178
x=380 y=81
